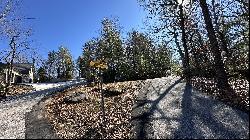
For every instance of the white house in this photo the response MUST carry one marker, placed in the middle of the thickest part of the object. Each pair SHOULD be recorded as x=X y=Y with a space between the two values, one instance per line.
x=21 y=73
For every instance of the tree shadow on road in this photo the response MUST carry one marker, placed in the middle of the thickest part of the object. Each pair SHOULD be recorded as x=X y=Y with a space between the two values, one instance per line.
x=199 y=117
x=140 y=115
x=208 y=118
x=37 y=125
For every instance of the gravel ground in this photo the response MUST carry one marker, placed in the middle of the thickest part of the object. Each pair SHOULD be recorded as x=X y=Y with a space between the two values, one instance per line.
x=13 y=110
x=168 y=108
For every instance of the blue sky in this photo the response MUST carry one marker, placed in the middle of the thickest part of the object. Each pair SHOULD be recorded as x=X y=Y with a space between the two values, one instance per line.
x=73 y=22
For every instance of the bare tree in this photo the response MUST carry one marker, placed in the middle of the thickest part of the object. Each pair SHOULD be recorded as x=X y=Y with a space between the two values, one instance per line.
x=222 y=78
x=172 y=15
x=16 y=33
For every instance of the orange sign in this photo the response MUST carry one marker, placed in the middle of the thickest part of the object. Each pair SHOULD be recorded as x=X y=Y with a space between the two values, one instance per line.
x=99 y=64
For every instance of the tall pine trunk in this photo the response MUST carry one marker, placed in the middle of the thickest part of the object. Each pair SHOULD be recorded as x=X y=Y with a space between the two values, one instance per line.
x=221 y=75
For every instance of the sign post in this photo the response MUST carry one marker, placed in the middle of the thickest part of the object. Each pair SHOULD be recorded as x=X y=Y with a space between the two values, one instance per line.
x=100 y=65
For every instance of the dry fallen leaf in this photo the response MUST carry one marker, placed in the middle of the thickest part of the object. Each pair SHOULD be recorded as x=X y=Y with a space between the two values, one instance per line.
x=84 y=120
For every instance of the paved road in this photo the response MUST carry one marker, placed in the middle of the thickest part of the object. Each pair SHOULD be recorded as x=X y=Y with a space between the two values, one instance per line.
x=168 y=108
x=13 y=109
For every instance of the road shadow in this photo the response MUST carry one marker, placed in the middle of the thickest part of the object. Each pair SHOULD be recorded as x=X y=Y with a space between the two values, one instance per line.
x=199 y=116
x=203 y=118
x=141 y=114
x=36 y=124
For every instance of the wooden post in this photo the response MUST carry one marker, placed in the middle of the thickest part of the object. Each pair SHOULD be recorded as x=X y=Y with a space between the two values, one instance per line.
x=100 y=65
x=102 y=102
x=103 y=111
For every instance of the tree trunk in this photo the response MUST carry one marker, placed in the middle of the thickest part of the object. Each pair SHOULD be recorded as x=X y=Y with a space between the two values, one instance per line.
x=11 y=68
x=184 y=41
x=221 y=75
x=220 y=35
x=10 y=65
x=178 y=45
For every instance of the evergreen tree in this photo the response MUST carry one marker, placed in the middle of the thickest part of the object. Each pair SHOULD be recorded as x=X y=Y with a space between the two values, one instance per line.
x=65 y=63
x=110 y=49
x=42 y=75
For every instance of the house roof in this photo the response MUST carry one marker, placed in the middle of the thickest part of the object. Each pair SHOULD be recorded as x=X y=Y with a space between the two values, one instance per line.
x=22 y=68
x=23 y=65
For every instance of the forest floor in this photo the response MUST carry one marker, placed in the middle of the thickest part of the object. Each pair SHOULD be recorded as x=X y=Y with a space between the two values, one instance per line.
x=153 y=108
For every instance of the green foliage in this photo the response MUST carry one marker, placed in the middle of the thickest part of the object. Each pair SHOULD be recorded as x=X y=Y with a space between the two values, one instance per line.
x=110 y=49
x=65 y=63
x=137 y=58
x=176 y=68
x=144 y=59
x=42 y=75
x=60 y=64
x=84 y=61
x=51 y=64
